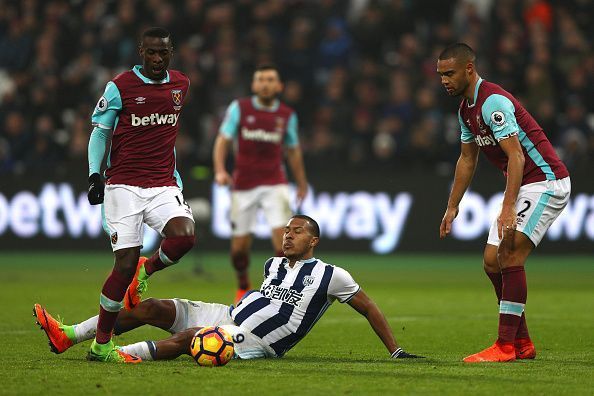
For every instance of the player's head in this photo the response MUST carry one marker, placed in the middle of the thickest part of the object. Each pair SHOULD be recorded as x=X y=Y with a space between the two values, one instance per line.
x=156 y=50
x=266 y=83
x=301 y=236
x=455 y=65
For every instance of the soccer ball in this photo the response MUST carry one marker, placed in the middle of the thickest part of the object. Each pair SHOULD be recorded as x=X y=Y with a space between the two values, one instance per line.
x=212 y=346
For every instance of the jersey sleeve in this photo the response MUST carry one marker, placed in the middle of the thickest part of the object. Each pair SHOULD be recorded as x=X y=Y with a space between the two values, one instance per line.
x=96 y=149
x=499 y=114
x=466 y=136
x=230 y=125
x=342 y=286
x=108 y=107
x=291 y=138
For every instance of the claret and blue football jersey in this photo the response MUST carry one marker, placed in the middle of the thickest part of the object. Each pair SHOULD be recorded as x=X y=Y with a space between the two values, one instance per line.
x=143 y=116
x=495 y=115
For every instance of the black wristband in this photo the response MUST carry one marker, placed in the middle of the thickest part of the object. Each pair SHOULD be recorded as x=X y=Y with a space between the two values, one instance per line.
x=94 y=178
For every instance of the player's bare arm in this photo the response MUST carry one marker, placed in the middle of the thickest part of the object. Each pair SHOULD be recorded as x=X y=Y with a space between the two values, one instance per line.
x=221 y=150
x=368 y=308
x=465 y=168
x=295 y=160
x=506 y=222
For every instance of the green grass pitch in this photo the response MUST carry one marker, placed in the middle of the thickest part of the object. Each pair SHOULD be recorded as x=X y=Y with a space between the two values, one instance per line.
x=442 y=307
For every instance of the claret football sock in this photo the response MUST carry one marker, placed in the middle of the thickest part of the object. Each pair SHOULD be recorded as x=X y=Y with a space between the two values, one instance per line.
x=512 y=303
x=170 y=252
x=241 y=263
x=496 y=280
x=523 y=329
x=111 y=299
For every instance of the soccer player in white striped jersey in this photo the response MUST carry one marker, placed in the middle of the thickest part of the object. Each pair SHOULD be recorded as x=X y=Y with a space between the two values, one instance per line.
x=296 y=291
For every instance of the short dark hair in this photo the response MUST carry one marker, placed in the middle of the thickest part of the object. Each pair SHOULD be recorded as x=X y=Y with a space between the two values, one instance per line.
x=156 y=31
x=267 y=66
x=314 y=228
x=458 y=51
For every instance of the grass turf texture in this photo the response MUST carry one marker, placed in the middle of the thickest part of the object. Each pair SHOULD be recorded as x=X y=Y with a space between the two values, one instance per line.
x=442 y=307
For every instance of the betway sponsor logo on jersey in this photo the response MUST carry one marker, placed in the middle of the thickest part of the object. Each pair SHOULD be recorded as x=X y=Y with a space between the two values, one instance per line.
x=283 y=294
x=485 y=140
x=155 y=119
x=261 y=135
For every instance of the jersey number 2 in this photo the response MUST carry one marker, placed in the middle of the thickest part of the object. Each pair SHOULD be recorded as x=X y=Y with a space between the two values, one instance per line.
x=521 y=213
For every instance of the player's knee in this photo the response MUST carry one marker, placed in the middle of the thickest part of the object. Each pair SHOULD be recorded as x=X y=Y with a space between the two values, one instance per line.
x=184 y=339
x=149 y=308
x=176 y=247
x=491 y=267
x=507 y=257
x=126 y=261
x=491 y=264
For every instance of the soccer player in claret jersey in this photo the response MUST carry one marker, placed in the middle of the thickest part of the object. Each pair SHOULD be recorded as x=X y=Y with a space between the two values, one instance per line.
x=262 y=126
x=140 y=111
x=537 y=189
x=297 y=289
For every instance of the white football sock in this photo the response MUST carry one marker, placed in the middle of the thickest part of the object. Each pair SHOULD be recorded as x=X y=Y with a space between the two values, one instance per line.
x=141 y=349
x=86 y=330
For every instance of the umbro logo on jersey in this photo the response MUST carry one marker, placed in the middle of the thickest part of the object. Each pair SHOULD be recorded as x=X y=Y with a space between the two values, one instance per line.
x=140 y=100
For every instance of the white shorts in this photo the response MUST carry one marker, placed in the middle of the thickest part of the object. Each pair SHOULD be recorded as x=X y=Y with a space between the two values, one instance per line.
x=538 y=205
x=274 y=201
x=126 y=208
x=190 y=314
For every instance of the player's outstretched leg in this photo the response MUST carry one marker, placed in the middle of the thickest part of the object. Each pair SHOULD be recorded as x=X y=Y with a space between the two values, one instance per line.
x=60 y=337
x=167 y=349
x=179 y=240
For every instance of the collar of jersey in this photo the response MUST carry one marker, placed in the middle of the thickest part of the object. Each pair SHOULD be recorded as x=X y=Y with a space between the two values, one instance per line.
x=476 y=88
x=308 y=261
x=258 y=106
x=136 y=70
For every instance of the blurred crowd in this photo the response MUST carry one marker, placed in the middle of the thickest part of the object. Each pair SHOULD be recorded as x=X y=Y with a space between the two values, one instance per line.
x=360 y=73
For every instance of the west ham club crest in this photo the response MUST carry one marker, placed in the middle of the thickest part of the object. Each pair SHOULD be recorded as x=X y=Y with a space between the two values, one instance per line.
x=176 y=95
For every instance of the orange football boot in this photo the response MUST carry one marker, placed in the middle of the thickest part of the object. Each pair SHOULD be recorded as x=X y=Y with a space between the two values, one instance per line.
x=239 y=294
x=58 y=340
x=495 y=353
x=138 y=286
x=524 y=348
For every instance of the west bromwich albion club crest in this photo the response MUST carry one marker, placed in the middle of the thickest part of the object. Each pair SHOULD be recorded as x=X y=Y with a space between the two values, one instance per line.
x=176 y=95
x=308 y=280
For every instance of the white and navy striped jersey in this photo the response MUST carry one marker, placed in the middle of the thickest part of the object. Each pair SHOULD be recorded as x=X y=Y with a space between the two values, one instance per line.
x=291 y=300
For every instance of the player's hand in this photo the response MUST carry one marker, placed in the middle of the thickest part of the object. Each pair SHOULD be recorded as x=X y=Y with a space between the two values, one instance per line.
x=223 y=178
x=506 y=223
x=446 y=223
x=401 y=354
x=96 y=189
x=301 y=194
